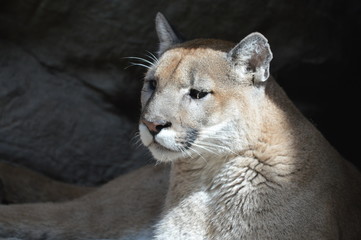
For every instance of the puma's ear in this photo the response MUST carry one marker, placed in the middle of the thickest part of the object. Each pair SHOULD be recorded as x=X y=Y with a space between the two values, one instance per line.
x=167 y=35
x=252 y=57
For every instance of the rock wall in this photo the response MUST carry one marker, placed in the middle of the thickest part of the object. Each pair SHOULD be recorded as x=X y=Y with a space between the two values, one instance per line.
x=69 y=104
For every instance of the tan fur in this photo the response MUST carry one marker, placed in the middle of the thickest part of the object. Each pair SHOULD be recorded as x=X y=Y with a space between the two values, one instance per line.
x=245 y=163
x=121 y=209
x=21 y=185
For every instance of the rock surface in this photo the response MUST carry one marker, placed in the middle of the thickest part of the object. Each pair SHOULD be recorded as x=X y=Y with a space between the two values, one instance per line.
x=69 y=108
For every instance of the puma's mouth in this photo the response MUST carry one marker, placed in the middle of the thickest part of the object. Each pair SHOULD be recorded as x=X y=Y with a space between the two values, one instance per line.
x=177 y=142
x=168 y=143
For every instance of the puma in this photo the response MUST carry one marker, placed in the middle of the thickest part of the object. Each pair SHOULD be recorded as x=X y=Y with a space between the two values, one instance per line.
x=244 y=162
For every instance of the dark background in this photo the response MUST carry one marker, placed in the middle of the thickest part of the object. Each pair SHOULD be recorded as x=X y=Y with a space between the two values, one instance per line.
x=69 y=108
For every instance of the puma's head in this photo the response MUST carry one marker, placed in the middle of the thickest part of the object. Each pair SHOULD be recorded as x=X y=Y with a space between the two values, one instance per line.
x=199 y=97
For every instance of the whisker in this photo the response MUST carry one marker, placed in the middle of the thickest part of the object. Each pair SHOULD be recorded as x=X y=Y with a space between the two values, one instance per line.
x=138 y=64
x=161 y=158
x=198 y=153
x=205 y=148
x=138 y=144
x=153 y=57
x=136 y=134
x=142 y=59
x=217 y=137
x=217 y=146
x=181 y=149
x=215 y=132
x=185 y=152
x=136 y=141
x=135 y=137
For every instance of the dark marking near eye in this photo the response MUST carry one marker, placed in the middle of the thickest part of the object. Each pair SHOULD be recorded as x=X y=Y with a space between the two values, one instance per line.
x=191 y=136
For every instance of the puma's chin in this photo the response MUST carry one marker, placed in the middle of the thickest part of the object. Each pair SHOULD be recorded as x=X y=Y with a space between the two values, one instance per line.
x=163 y=148
x=162 y=153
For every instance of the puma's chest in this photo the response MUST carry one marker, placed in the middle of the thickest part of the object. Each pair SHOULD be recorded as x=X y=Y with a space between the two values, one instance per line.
x=223 y=202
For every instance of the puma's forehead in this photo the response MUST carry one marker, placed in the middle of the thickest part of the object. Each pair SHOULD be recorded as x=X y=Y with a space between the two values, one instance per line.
x=193 y=61
x=214 y=44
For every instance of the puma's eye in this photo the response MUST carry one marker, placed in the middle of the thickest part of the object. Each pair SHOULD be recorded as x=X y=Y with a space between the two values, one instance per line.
x=152 y=84
x=195 y=94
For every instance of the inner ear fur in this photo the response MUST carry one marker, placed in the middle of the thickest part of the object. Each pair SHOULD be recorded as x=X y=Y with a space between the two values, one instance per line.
x=252 y=57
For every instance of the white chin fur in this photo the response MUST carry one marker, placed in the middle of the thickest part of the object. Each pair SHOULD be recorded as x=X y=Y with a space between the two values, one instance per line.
x=162 y=154
x=165 y=147
x=166 y=138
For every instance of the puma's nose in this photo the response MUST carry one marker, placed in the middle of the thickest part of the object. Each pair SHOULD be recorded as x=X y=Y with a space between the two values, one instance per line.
x=156 y=126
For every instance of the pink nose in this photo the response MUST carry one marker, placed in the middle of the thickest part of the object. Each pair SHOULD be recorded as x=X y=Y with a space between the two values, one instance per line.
x=156 y=126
